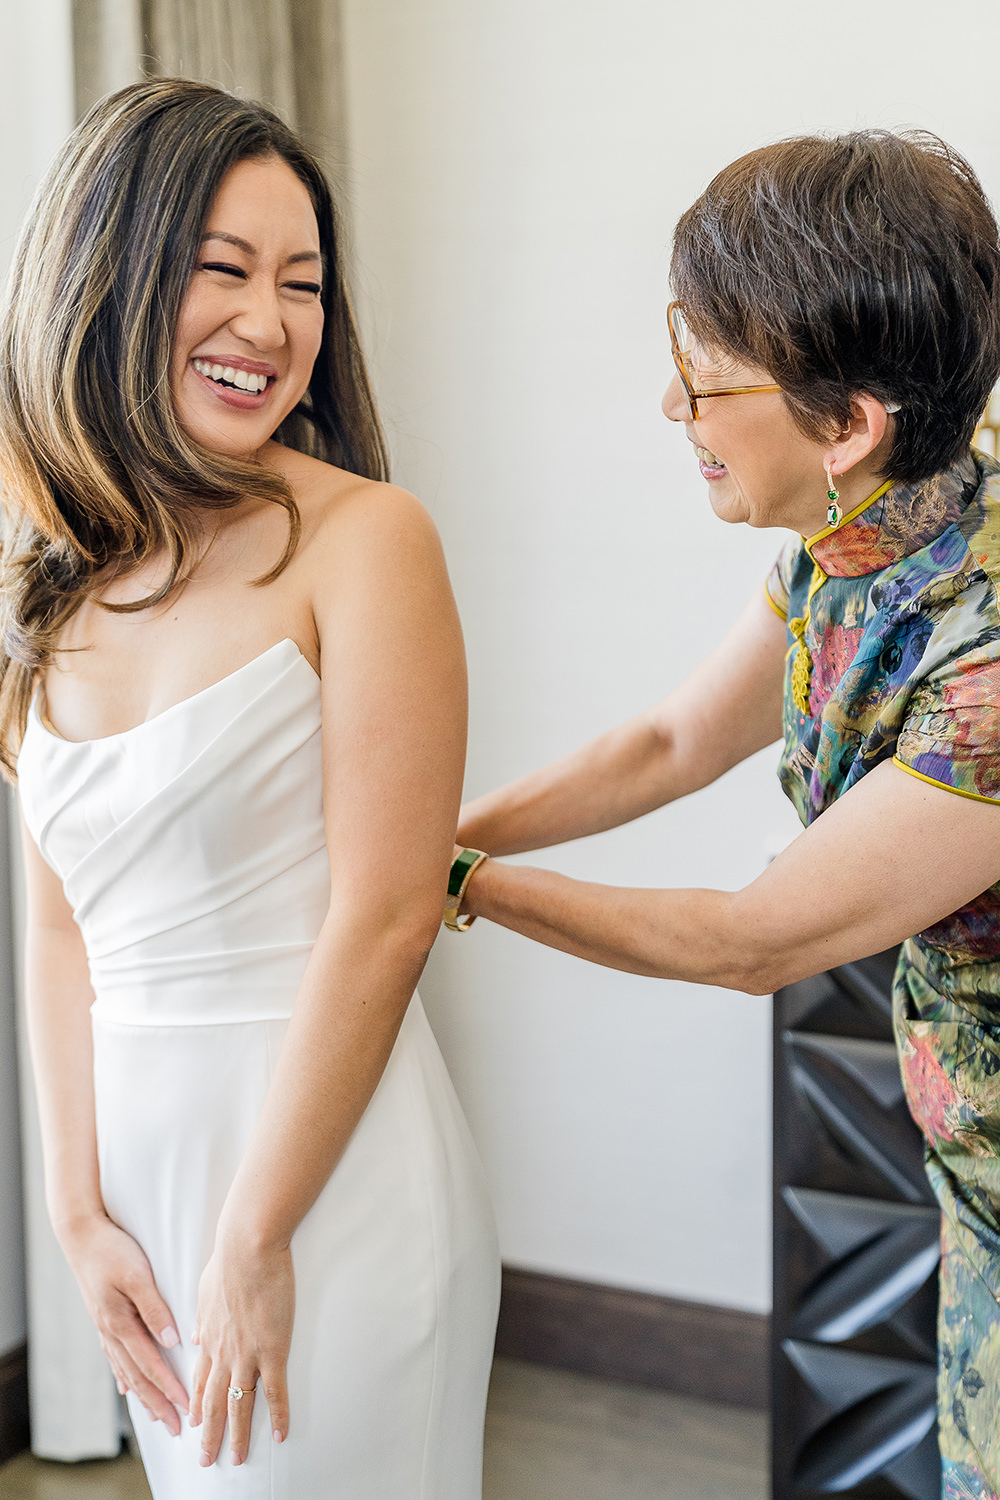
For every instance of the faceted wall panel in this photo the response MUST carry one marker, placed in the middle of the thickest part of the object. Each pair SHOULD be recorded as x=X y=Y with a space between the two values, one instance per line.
x=856 y=1250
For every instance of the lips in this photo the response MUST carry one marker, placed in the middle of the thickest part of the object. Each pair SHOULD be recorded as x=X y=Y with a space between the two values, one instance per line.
x=237 y=382
x=231 y=375
x=709 y=465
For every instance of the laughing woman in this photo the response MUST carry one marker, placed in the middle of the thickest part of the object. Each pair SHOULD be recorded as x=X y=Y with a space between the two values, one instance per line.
x=836 y=336
x=233 y=686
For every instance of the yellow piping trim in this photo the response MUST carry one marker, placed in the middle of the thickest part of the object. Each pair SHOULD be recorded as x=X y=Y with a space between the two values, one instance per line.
x=802 y=666
x=972 y=796
x=852 y=515
x=781 y=613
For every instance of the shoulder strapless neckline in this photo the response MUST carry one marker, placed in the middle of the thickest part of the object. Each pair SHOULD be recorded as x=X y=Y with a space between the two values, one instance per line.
x=287 y=647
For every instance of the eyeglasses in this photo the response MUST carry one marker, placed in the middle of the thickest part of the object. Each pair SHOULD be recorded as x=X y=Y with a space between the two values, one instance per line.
x=680 y=344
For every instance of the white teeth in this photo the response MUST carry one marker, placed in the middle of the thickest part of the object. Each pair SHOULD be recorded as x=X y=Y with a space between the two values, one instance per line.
x=243 y=380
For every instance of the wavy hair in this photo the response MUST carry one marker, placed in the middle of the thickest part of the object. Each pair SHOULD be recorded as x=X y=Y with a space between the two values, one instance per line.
x=97 y=474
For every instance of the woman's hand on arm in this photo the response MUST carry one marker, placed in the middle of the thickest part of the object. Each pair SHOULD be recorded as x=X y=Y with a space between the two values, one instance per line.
x=891 y=857
x=118 y=1288
x=726 y=709
x=394 y=712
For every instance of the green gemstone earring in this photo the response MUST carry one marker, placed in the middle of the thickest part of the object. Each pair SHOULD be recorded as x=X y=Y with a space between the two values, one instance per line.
x=834 y=515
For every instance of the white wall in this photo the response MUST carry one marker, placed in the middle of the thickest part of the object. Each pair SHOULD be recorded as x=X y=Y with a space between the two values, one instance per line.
x=35 y=115
x=518 y=166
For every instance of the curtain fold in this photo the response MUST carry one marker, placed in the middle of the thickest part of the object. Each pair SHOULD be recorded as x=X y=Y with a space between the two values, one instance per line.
x=286 y=53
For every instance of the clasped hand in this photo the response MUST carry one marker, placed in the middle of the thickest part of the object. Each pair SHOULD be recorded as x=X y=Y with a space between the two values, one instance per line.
x=246 y=1306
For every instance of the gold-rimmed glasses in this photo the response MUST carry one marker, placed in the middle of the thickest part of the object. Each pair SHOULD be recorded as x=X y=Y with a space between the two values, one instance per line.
x=680 y=344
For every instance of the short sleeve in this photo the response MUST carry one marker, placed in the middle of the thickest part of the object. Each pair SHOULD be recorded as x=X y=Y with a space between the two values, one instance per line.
x=951 y=733
x=779 y=582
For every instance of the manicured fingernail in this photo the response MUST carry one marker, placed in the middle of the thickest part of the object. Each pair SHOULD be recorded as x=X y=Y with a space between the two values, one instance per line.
x=235 y=1456
x=121 y=1387
x=279 y=1437
x=170 y=1338
x=204 y=1459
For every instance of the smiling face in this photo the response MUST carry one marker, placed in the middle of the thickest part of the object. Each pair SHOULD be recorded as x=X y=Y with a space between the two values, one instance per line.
x=251 y=321
x=760 y=467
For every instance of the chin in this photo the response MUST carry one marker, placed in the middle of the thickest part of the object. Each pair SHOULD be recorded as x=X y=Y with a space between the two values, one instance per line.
x=732 y=509
x=239 y=445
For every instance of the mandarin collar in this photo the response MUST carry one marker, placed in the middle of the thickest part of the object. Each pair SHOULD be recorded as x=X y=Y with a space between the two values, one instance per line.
x=895 y=522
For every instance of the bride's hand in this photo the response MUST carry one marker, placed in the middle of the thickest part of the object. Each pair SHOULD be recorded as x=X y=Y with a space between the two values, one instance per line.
x=132 y=1318
x=246 y=1305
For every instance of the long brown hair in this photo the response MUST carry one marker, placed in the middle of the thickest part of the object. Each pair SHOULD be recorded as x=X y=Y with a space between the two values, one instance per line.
x=97 y=474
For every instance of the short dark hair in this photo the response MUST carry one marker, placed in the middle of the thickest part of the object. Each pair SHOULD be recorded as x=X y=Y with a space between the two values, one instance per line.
x=867 y=262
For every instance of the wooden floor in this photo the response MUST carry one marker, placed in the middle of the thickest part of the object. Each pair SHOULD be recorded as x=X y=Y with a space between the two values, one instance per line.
x=550 y=1435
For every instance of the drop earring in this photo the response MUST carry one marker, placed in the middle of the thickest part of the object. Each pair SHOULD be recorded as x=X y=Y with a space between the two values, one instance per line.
x=834 y=515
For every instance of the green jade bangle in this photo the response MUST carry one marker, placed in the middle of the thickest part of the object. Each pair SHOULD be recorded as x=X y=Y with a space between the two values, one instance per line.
x=463 y=867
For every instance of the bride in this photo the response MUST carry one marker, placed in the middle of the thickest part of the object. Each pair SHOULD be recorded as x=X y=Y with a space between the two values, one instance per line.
x=233 y=693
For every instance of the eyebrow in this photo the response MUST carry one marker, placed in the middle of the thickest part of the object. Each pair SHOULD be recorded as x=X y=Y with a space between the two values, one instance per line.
x=248 y=249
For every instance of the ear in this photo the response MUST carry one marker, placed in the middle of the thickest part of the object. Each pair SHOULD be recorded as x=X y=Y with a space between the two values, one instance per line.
x=862 y=435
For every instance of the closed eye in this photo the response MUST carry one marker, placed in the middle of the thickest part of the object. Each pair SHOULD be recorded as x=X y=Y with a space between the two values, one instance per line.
x=304 y=286
x=218 y=265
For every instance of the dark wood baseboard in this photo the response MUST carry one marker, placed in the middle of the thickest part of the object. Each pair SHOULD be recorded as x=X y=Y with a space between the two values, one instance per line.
x=717 y=1353
x=14 y=1434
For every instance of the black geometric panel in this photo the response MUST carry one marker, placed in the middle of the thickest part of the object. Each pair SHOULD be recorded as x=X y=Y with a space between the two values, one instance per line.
x=876 y=1277
x=856 y=1251
x=849 y=1090
x=854 y=1000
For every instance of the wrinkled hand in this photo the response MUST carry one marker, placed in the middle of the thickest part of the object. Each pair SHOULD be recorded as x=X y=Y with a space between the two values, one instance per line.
x=132 y=1318
x=246 y=1306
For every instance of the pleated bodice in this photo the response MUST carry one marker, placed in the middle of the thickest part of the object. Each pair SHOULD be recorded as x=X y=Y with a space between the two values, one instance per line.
x=191 y=848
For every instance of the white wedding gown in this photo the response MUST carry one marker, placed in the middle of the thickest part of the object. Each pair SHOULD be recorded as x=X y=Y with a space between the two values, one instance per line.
x=192 y=852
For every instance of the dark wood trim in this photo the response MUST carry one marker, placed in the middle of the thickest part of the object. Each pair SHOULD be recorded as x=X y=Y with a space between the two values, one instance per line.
x=717 y=1353
x=14 y=1434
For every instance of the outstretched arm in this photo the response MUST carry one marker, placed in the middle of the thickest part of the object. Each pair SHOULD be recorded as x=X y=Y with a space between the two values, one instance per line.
x=889 y=858
x=729 y=707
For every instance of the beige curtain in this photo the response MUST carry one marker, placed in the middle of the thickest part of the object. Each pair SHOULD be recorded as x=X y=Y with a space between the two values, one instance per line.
x=286 y=53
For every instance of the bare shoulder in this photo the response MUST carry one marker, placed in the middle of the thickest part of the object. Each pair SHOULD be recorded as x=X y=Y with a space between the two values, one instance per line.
x=340 y=509
x=369 y=552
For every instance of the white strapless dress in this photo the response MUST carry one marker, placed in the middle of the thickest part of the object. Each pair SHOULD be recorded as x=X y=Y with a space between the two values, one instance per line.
x=191 y=850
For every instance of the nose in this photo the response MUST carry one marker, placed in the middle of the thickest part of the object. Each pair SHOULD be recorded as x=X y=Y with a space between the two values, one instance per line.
x=674 y=404
x=258 y=320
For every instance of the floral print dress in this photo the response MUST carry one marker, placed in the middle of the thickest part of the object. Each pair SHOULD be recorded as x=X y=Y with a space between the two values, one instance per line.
x=894 y=653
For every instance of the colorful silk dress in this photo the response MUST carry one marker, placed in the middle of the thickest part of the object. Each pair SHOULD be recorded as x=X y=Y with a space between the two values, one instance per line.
x=894 y=653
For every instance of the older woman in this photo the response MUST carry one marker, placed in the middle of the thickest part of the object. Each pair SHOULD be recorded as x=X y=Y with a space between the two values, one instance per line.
x=836 y=335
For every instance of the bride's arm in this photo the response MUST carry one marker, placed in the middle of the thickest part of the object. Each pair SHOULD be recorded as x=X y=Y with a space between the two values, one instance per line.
x=394 y=710
x=113 y=1273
